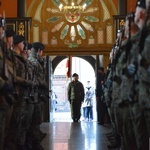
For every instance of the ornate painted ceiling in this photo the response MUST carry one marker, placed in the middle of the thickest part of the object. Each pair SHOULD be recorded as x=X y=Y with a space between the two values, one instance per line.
x=73 y=25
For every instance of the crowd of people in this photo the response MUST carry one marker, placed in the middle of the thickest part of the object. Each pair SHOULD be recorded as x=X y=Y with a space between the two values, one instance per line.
x=23 y=92
x=127 y=85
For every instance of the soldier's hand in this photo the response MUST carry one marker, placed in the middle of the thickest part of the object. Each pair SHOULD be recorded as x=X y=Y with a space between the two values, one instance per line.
x=131 y=69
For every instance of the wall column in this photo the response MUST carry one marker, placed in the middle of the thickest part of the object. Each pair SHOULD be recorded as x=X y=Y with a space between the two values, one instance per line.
x=122 y=7
x=21 y=8
x=106 y=60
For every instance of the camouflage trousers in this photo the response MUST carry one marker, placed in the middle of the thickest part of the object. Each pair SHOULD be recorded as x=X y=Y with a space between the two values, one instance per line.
x=139 y=126
x=30 y=109
x=112 y=117
x=35 y=123
x=118 y=114
x=18 y=125
x=4 y=107
x=129 y=142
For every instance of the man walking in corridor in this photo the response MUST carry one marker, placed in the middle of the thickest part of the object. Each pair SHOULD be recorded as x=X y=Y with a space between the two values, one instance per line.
x=75 y=97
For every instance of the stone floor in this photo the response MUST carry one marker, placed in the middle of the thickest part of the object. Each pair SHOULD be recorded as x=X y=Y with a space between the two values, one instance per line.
x=63 y=134
x=83 y=135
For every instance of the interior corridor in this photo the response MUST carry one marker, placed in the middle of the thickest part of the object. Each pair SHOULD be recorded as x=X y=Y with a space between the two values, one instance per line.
x=67 y=135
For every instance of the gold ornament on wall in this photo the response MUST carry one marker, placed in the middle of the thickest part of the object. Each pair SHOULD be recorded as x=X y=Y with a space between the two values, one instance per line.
x=21 y=29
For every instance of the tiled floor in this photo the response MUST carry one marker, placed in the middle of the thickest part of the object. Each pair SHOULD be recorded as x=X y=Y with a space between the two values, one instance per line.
x=66 y=135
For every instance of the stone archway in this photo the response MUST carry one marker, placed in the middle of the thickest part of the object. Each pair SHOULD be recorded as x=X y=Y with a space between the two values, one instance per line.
x=58 y=59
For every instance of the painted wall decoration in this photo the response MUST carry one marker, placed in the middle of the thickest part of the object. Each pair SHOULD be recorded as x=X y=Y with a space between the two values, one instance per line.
x=100 y=36
x=36 y=33
x=109 y=35
x=72 y=23
x=45 y=36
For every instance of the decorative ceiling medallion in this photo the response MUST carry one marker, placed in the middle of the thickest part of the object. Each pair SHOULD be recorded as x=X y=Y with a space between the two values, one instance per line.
x=72 y=15
x=73 y=12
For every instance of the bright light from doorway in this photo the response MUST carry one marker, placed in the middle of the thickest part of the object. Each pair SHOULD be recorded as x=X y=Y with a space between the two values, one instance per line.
x=79 y=66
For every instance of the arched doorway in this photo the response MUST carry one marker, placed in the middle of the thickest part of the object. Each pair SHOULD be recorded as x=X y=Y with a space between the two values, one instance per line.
x=86 y=73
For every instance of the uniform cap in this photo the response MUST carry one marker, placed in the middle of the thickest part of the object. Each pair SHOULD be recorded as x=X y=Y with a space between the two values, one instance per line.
x=18 y=39
x=75 y=75
x=141 y=3
x=9 y=33
x=38 y=46
x=27 y=45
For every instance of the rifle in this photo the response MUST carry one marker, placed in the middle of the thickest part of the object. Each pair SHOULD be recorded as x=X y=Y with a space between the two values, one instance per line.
x=118 y=52
x=26 y=97
x=33 y=94
x=43 y=90
x=6 y=75
x=4 y=46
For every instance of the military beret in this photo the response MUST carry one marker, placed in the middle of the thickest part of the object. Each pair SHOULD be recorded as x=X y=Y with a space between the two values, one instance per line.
x=9 y=33
x=75 y=75
x=27 y=45
x=141 y=3
x=38 y=46
x=18 y=39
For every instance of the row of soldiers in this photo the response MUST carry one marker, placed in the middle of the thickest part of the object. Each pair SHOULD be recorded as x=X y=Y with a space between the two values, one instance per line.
x=127 y=87
x=23 y=92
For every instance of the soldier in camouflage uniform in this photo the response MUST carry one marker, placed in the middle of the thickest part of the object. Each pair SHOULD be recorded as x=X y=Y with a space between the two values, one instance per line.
x=27 y=97
x=111 y=99
x=6 y=85
x=144 y=73
x=130 y=81
x=41 y=75
x=43 y=89
x=143 y=76
x=128 y=137
x=9 y=53
x=108 y=96
x=16 y=136
x=36 y=118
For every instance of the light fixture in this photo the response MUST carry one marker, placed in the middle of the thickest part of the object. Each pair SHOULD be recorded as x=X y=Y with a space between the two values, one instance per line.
x=72 y=7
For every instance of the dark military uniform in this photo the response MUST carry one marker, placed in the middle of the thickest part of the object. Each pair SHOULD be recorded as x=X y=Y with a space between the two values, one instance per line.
x=75 y=97
x=144 y=82
x=37 y=114
x=18 y=124
x=143 y=74
x=124 y=120
x=6 y=89
x=29 y=107
x=137 y=112
x=100 y=103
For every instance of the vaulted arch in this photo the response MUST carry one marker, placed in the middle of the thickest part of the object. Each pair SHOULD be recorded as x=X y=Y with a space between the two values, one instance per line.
x=58 y=59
